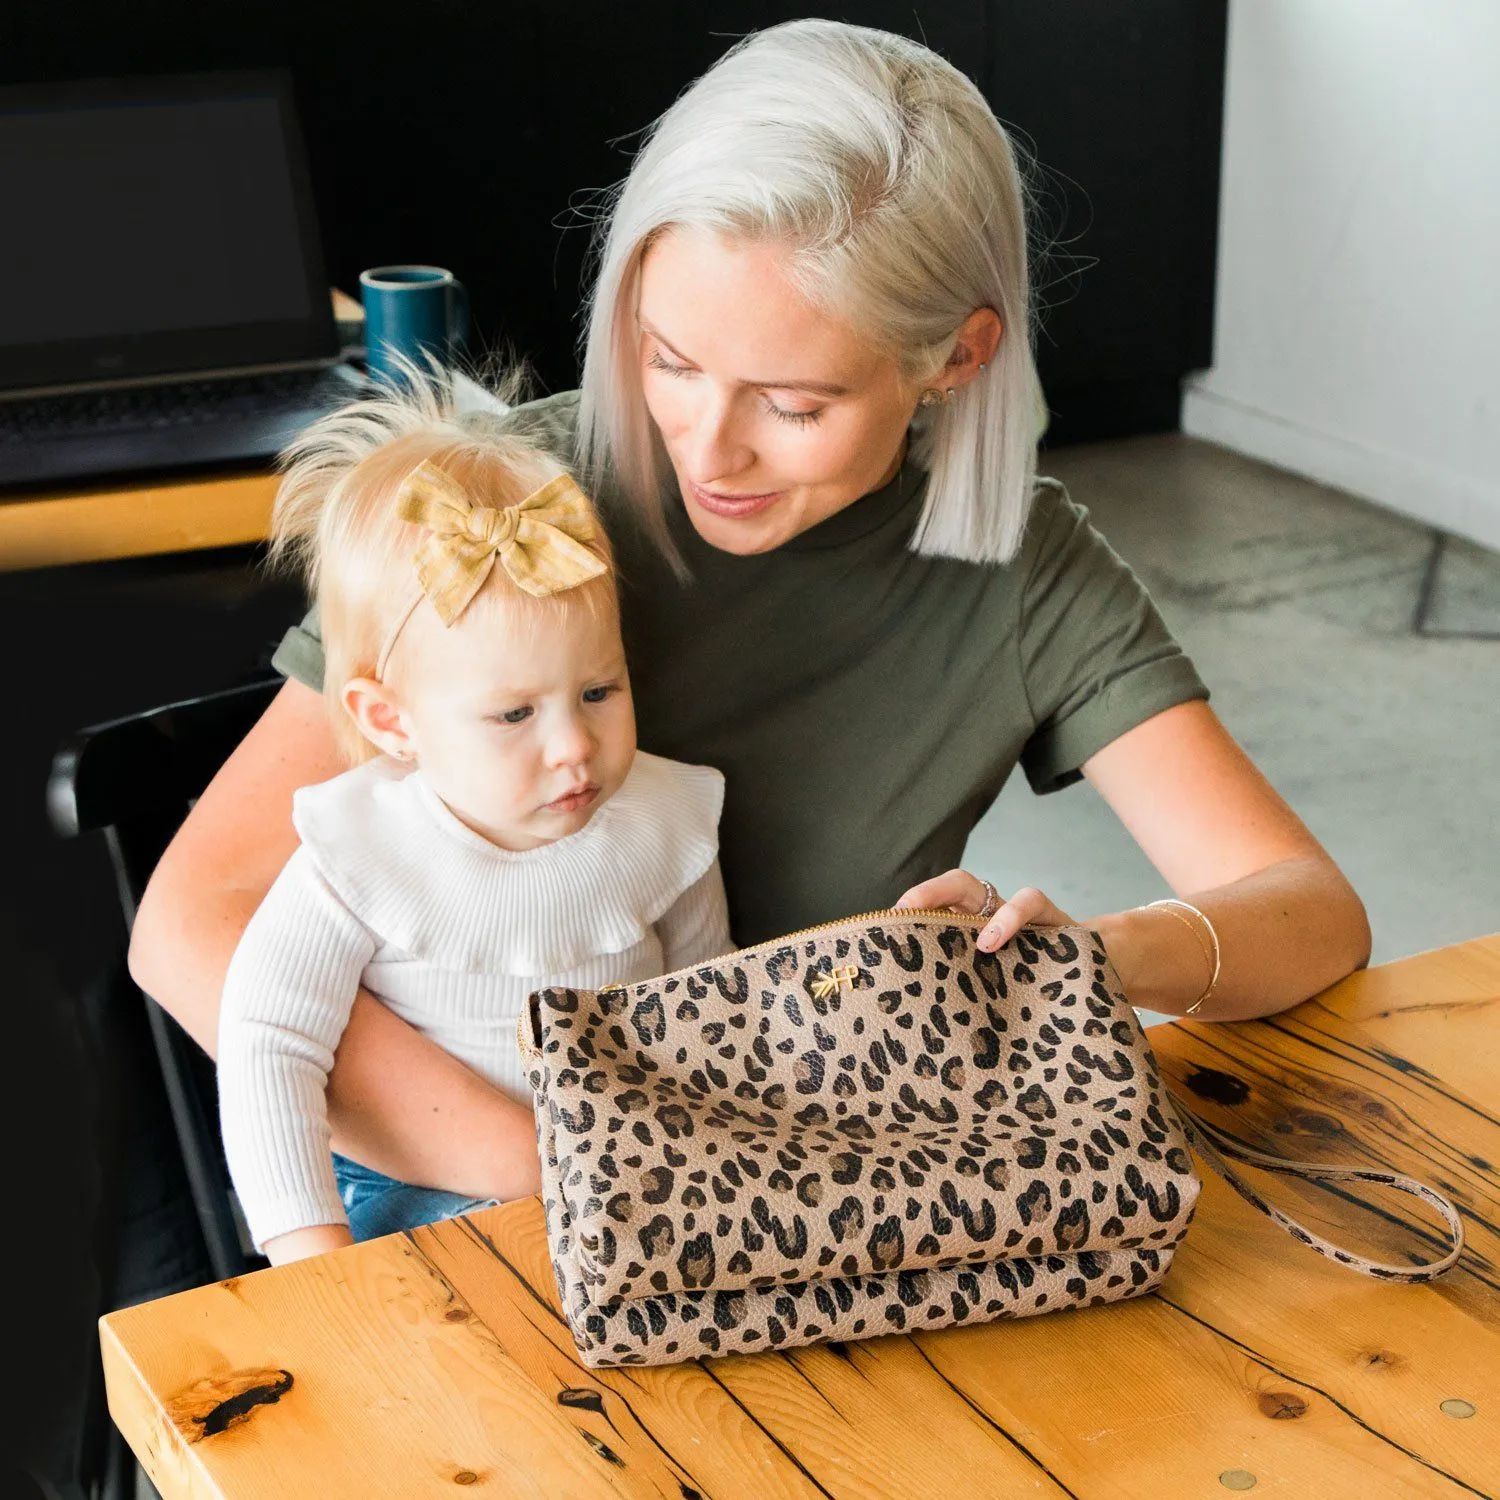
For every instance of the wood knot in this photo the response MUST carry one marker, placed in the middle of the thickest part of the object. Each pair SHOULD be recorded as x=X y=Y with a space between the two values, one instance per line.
x=466 y=1476
x=604 y=1451
x=209 y=1407
x=1378 y=1359
x=1281 y=1406
x=1220 y=1087
x=456 y=1315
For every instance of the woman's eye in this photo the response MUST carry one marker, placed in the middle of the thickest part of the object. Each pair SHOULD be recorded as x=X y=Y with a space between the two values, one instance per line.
x=783 y=415
x=597 y=694
x=513 y=716
x=656 y=362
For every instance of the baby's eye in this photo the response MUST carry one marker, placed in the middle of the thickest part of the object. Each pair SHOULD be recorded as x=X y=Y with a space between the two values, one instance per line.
x=598 y=694
x=512 y=716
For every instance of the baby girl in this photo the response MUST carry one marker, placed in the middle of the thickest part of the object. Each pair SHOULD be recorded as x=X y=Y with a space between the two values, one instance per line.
x=499 y=831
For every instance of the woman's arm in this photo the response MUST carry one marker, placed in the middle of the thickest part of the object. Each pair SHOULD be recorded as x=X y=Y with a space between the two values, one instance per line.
x=1288 y=922
x=397 y=1102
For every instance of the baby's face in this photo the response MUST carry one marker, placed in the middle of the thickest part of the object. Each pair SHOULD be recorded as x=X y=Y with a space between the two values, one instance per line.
x=522 y=722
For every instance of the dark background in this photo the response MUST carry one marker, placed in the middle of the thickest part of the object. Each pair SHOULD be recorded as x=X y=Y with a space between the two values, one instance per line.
x=475 y=136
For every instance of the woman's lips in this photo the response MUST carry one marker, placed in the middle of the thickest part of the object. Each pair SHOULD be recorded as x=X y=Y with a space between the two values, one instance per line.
x=735 y=507
x=574 y=800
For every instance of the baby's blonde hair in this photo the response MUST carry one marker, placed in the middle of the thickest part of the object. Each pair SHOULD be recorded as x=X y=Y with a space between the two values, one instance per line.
x=335 y=519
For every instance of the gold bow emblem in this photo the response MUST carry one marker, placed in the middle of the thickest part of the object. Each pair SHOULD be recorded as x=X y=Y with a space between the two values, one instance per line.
x=833 y=981
x=539 y=540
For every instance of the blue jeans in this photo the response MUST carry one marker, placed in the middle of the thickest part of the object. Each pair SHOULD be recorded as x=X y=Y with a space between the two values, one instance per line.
x=377 y=1204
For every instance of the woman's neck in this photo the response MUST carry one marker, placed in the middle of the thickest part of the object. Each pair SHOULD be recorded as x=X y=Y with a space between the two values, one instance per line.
x=895 y=465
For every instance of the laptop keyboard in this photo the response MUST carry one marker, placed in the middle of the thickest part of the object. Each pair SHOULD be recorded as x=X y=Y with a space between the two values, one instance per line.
x=134 y=408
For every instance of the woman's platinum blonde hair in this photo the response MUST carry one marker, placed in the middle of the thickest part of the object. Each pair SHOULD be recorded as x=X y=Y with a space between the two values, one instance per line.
x=335 y=519
x=887 y=174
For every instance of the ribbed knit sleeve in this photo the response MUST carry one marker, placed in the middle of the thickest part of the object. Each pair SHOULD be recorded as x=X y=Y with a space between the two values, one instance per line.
x=695 y=927
x=287 y=997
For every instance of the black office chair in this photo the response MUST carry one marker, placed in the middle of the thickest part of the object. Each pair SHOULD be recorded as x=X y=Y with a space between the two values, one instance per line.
x=134 y=780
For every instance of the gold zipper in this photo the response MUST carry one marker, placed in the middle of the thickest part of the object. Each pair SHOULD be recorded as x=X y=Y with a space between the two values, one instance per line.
x=902 y=913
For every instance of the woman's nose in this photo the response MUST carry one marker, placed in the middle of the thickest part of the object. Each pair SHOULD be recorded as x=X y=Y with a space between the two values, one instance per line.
x=714 y=448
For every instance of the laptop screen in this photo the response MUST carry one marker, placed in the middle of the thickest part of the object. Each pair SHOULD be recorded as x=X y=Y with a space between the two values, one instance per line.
x=165 y=226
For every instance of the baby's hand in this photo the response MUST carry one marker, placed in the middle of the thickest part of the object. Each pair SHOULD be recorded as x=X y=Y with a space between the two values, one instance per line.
x=958 y=890
x=298 y=1244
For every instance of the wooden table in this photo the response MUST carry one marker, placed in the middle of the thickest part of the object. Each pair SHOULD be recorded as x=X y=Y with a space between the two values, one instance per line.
x=412 y=1365
x=105 y=521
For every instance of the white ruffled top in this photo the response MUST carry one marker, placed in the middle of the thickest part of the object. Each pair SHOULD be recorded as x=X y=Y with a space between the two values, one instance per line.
x=391 y=891
x=427 y=884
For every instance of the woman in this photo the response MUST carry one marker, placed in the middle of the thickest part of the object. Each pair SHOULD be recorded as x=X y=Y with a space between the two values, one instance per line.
x=809 y=414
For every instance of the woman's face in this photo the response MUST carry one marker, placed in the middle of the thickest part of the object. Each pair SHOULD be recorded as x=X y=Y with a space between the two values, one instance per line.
x=774 y=414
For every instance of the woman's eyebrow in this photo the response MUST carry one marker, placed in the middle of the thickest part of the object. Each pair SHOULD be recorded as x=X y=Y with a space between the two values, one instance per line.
x=817 y=387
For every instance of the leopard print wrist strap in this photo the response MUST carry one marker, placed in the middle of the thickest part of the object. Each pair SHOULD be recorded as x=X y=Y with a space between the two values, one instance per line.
x=1213 y=1145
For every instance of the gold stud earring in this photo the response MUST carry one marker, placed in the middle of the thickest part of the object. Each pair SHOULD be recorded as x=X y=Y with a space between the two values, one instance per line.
x=930 y=398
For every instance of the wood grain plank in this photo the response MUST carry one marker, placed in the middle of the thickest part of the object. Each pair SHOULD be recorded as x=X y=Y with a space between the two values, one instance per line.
x=812 y=1409
x=827 y=1402
x=675 y=1431
x=1330 y=1093
x=390 y=1395
x=1458 y=1042
x=1143 y=1400
x=818 y=1421
x=1464 y=974
x=438 y=1359
x=1387 y=1355
x=1311 y=1086
x=135 y=521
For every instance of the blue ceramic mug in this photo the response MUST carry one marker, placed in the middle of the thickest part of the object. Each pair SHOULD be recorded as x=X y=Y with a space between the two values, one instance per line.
x=412 y=312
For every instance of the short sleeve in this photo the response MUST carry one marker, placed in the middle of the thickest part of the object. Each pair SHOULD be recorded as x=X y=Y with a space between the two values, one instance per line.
x=300 y=654
x=1096 y=657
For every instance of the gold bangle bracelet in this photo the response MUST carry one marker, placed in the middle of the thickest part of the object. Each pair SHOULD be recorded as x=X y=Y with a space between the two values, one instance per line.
x=1170 y=904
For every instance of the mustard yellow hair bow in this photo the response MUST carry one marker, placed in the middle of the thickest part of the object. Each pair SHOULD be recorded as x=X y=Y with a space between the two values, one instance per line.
x=539 y=541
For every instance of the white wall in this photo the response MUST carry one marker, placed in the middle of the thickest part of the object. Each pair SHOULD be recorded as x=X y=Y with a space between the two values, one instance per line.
x=1357 y=328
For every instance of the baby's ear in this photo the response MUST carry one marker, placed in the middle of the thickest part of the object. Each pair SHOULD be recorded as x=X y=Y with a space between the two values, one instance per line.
x=376 y=710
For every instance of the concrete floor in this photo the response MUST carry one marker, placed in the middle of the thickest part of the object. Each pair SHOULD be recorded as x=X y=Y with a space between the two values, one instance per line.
x=1299 y=604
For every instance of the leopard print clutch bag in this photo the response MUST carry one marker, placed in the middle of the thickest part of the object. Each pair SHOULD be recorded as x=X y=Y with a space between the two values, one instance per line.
x=858 y=1129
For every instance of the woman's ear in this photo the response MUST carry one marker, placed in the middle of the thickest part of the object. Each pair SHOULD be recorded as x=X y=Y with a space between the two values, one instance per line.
x=377 y=711
x=974 y=348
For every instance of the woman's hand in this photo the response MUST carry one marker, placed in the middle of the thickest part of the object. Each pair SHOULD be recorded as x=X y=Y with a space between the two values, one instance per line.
x=1005 y=918
x=1285 y=921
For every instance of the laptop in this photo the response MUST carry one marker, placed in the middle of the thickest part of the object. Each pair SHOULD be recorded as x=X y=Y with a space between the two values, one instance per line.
x=163 y=296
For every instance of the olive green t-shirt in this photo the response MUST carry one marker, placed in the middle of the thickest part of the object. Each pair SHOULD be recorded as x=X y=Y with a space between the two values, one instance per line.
x=865 y=704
